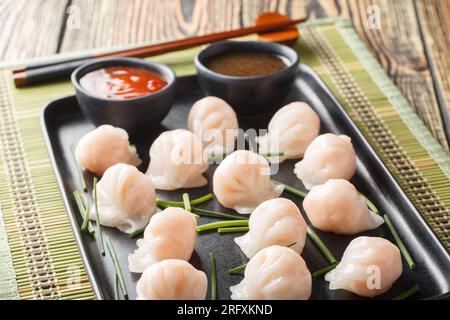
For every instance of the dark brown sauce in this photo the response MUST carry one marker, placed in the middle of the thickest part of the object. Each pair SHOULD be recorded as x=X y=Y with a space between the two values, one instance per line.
x=246 y=64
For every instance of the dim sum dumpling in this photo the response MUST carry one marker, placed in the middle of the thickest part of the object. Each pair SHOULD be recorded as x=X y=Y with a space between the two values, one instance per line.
x=104 y=147
x=336 y=206
x=176 y=161
x=274 y=273
x=329 y=156
x=291 y=130
x=172 y=279
x=126 y=198
x=369 y=267
x=215 y=123
x=275 y=221
x=171 y=234
x=242 y=181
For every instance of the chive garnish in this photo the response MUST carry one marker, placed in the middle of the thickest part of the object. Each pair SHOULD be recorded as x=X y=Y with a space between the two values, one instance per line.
x=400 y=243
x=136 y=233
x=273 y=154
x=117 y=268
x=212 y=264
x=292 y=244
x=79 y=169
x=166 y=203
x=322 y=247
x=97 y=218
x=116 y=286
x=408 y=293
x=81 y=206
x=291 y=190
x=323 y=271
x=210 y=213
x=238 y=269
x=222 y=224
x=187 y=202
x=233 y=229
x=371 y=206
x=86 y=220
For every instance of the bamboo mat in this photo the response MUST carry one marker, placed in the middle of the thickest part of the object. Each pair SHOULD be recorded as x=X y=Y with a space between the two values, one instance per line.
x=40 y=248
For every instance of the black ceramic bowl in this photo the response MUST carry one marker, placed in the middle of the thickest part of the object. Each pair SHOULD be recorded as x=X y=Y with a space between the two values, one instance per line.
x=134 y=115
x=248 y=95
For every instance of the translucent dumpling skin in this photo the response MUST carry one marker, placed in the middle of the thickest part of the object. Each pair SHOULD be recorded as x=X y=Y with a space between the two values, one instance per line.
x=177 y=161
x=215 y=123
x=126 y=198
x=274 y=273
x=104 y=147
x=336 y=206
x=275 y=221
x=290 y=131
x=329 y=156
x=242 y=181
x=369 y=267
x=171 y=234
x=172 y=280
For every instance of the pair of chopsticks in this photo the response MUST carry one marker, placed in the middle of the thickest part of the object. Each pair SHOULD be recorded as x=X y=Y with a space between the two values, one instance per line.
x=44 y=72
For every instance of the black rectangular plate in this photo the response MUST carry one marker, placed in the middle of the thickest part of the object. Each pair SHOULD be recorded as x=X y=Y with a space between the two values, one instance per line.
x=63 y=125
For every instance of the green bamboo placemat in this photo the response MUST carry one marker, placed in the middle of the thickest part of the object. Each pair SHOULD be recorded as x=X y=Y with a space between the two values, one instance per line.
x=40 y=243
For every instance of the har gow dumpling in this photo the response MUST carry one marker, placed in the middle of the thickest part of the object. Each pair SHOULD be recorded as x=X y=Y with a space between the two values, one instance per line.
x=291 y=130
x=104 y=147
x=369 y=267
x=242 y=181
x=274 y=273
x=213 y=121
x=176 y=161
x=329 y=156
x=172 y=280
x=171 y=234
x=126 y=198
x=336 y=206
x=275 y=221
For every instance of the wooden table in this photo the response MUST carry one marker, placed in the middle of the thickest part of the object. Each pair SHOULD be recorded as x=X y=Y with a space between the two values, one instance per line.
x=413 y=43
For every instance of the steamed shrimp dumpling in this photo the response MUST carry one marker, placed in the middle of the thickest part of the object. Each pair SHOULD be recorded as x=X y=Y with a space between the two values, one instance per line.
x=177 y=161
x=337 y=206
x=275 y=221
x=104 y=147
x=172 y=280
x=274 y=273
x=213 y=121
x=329 y=156
x=242 y=181
x=369 y=267
x=171 y=234
x=291 y=130
x=126 y=198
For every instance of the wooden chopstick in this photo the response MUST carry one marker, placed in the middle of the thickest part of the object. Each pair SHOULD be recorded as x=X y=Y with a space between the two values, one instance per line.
x=39 y=73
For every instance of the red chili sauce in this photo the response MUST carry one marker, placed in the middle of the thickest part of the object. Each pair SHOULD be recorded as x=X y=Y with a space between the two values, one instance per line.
x=122 y=82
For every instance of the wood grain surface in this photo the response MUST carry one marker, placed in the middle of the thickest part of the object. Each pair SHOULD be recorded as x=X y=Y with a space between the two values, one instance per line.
x=413 y=44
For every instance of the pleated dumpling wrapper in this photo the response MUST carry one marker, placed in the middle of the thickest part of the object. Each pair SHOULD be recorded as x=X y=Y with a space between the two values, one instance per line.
x=104 y=147
x=274 y=273
x=172 y=279
x=290 y=131
x=329 y=156
x=369 y=267
x=215 y=123
x=242 y=181
x=126 y=198
x=171 y=234
x=338 y=207
x=177 y=161
x=275 y=221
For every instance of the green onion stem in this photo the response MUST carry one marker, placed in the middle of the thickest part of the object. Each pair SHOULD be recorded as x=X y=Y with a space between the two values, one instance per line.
x=116 y=263
x=210 y=213
x=322 y=247
x=166 y=203
x=400 y=243
x=79 y=169
x=408 y=293
x=291 y=190
x=187 y=202
x=212 y=263
x=238 y=269
x=97 y=218
x=81 y=209
x=116 y=286
x=323 y=271
x=222 y=224
x=233 y=229
x=136 y=233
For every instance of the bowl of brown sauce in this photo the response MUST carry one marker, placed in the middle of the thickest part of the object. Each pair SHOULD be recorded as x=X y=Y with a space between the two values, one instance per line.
x=130 y=93
x=253 y=77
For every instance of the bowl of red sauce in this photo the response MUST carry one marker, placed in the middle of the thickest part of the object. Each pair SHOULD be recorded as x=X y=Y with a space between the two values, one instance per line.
x=130 y=93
